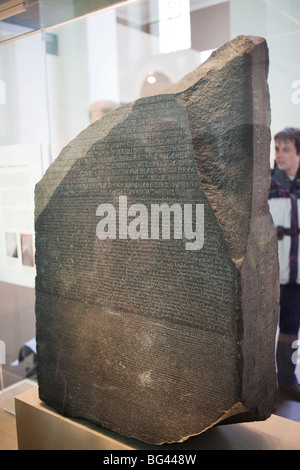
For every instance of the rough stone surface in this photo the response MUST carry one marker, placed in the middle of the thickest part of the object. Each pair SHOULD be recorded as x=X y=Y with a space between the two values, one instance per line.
x=142 y=336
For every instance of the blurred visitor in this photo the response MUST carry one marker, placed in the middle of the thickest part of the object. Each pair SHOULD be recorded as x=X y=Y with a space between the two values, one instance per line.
x=100 y=109
x=284 y=207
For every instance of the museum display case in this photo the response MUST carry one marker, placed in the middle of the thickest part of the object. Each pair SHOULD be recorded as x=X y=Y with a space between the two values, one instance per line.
x=64 y=65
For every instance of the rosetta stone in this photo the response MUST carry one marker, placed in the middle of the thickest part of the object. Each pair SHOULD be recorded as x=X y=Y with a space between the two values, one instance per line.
x=142 y=336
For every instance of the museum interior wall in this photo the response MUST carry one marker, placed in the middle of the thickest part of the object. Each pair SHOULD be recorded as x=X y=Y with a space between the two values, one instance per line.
x=50 y=80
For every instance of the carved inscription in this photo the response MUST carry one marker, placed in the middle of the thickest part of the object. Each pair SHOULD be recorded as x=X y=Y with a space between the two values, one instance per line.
x=146 y=249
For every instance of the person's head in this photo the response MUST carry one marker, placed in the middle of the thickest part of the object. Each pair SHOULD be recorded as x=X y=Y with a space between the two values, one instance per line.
x=100 y=109
x=287 y=150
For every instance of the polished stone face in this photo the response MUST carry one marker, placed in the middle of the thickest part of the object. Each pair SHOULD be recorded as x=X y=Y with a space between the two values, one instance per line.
x=155 y=317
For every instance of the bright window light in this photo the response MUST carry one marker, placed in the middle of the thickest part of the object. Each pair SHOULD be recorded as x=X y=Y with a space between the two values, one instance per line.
x=204 y=55
x=174 y=25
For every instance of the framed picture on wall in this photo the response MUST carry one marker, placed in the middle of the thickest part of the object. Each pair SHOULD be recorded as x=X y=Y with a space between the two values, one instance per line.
x=27 y=249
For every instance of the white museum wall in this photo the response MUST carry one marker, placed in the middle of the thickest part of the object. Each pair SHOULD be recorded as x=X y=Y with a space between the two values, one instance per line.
x=23 y=110
x=67 y=85
x=102 y=51
x=24 y=155
x=279 y=22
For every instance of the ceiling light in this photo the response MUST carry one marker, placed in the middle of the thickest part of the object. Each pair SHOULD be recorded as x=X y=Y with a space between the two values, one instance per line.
x=151 y=79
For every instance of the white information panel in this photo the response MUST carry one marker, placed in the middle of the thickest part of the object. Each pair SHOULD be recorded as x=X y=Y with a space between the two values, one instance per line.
x=20 y=170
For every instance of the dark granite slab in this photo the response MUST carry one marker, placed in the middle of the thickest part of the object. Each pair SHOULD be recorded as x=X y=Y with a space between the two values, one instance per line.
x=160 y=338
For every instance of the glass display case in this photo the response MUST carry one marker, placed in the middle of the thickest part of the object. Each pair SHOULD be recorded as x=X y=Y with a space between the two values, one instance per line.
x=64 y=64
